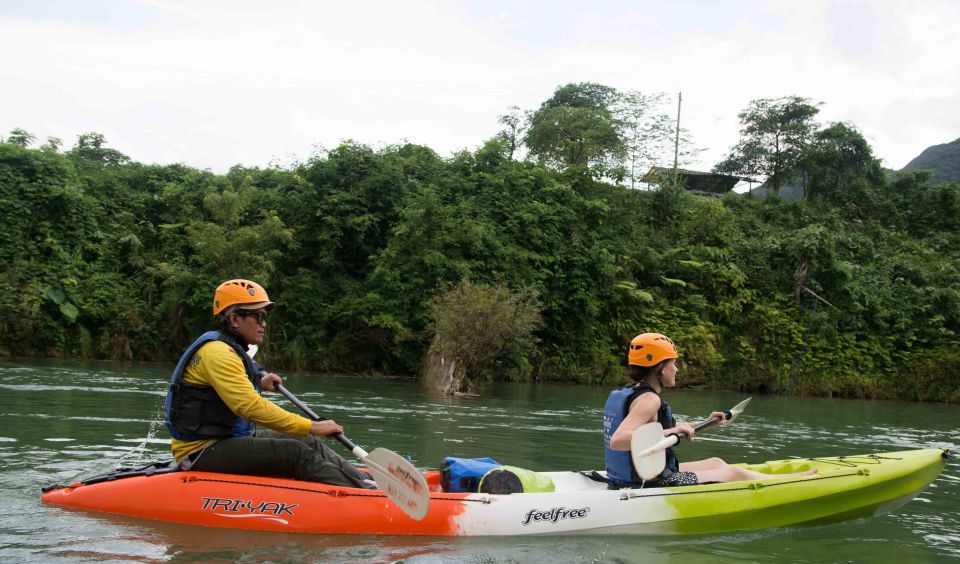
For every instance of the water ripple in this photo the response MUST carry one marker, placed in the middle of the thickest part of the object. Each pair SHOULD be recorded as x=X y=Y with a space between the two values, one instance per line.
x=88 y=419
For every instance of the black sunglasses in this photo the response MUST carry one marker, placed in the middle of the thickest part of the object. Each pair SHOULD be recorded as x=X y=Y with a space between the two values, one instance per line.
x=261 y=315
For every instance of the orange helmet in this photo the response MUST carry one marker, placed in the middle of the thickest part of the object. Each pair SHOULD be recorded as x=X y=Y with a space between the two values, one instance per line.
x=650 y=349
x=245 y=293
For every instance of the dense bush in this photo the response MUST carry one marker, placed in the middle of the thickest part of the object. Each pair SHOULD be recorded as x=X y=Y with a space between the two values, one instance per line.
x=486 y=330
x=108 y=258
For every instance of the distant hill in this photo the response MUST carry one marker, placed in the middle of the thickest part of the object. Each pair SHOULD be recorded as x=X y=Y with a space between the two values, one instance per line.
x=790 y=189
x=942 y=160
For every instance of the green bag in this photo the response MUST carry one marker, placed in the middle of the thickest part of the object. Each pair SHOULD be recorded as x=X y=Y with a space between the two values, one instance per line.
x=510 y=479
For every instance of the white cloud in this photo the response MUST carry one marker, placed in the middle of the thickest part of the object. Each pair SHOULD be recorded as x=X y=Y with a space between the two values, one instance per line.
x=214 y=84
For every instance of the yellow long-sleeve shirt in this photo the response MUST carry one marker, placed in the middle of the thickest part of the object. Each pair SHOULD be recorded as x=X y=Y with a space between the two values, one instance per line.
x=216 y=365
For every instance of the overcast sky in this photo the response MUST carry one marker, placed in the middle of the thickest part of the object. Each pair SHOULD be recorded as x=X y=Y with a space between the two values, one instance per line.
x=217 y=83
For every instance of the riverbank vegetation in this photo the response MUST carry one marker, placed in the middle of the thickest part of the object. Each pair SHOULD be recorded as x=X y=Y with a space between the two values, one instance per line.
x=853 y=290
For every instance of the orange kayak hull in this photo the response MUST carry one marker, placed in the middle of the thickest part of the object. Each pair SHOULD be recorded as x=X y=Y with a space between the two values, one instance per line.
x=259 y=503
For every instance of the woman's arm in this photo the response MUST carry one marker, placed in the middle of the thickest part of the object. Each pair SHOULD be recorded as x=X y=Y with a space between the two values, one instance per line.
x=643 y=410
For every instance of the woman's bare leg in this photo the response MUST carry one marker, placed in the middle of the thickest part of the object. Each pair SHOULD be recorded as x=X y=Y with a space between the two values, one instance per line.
x=716 y=470
x=705 y=464
x=738 y=474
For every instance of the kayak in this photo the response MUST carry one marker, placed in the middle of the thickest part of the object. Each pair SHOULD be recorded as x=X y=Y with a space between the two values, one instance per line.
x=844 y=487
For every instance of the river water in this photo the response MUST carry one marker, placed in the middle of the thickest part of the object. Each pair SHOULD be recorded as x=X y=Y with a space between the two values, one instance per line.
x=65 y=420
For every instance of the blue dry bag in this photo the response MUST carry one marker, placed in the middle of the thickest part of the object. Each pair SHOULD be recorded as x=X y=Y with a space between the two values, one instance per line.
x=464 y=474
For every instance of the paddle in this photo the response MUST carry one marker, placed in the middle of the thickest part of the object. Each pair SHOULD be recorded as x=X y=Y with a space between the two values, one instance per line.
x=647 y=445
x=395 y=475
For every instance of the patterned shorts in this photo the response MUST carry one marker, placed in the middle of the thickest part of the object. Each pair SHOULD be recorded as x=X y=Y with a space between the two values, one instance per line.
x=675 y=479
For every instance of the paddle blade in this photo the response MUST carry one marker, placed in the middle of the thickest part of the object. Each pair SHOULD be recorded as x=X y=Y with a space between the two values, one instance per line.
x=649 y=457
x=738 y=409
x=400 y=480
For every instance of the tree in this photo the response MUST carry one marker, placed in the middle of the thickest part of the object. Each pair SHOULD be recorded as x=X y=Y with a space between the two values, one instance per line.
x=476 y=326
x=577 y=126
x=666 y=205
x=90 y=149
x=512 y=134
x=119 y=261
x=52 y=145
x=20 y=137
x=841 y=165
x=646 y=133
x=775 y=134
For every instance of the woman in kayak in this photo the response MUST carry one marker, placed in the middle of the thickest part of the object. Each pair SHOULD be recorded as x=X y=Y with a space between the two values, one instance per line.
x=214 y=401
x=652 y=364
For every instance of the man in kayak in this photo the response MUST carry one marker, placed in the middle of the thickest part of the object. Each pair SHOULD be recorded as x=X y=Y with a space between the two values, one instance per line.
x=652 y=364
x=214 y=401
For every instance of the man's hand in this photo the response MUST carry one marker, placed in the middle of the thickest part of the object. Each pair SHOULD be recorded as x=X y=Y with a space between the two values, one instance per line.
x=270 y=382
x=325 y=428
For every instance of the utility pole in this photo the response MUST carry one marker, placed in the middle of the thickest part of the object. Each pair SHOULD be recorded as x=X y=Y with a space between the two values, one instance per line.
x=676 y=141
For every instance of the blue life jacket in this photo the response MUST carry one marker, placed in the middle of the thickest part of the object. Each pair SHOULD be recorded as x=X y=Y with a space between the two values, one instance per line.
x=620 y=470
x=196 y=412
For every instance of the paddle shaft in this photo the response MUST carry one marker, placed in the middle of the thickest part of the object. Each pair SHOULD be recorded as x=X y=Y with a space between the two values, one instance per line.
x=647 y=445
x=674 y=438
x=251 y=351
x=396 y=477
x=704 y=424
x=306 y=409
x=399 y=480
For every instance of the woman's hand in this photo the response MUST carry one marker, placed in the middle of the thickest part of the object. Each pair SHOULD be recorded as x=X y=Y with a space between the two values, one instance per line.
x=719 y=414
x=681 y=428
x=325 y=428
x=270 y=382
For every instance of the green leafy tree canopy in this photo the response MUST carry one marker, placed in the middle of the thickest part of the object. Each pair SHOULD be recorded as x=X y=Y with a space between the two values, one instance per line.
x=774 y=136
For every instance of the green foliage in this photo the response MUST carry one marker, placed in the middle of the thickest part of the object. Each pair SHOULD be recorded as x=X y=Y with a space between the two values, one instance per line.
x=90 y=151
x=774 y=138
x=577 y=126
x=667 y=204
x=108 y=258
x=49 y=231
x=20 y=137
x=596 y=131
x=929 y=375
x=509 y=138
x=647 y=132
x=487 y=329
x=842 y=170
